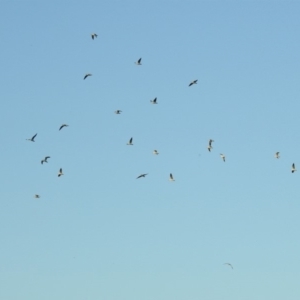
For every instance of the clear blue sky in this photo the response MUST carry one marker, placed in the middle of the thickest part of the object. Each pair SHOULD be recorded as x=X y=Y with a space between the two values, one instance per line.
x=99 y=233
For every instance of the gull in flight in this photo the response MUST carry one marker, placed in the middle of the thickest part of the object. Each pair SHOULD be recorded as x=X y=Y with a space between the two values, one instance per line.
x=277 y=155
x=193 y=82
x=222 y=156
x=155 y=152
x=130 y=142
x=60 y=173
x=86 y=76
x=293 y=168
x=45 y=160
x=62 y=126
x=32 y=139
x=142 y=175
x=228 y=264
x=154 y=101
x=139 y=62
x=36 y=196
x=171 y=177
x=210 y=145
x=118 y=112
x=94 y=35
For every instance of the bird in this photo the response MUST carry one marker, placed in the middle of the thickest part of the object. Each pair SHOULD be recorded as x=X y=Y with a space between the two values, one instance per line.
x=277 y=155
x=210 y=145
x=154 y=101
x=130 y=142
x=228 y=264
x=142 y=175
x=94 y=35
x=36 y=196
x=222 y=156
x=171 y=177
x=293 y=168
x=155 y=152
x=32 y=139
x=60 y=172
x=138 y=62
x=193 y=82
x=86 y=76
x=62 y=126
x=45 y=160
x=118 y=112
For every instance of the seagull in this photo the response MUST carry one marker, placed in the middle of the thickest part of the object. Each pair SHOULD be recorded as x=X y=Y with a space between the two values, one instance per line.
x=32 y=139
x=45 y=160
x=154 y=101
x=155 y=152
x=228 y=264
x=60 y=172
x=142 y=175
x=193 y=82
x=130 y=142
x=277 y=155
x=94 y=35
x=209 y=145
x=62 y=126
x=222 y=156
x=171 y=177
x=36 y=196
x=293 y=168
x=86 y=76
x=138 y=62
x=118 y=112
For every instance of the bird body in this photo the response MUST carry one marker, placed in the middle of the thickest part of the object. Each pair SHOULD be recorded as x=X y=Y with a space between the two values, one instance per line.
x=139 y=62
x=36 y=196
x=277 y=155
x=118 y=112
x=130 y=142
x=171 y=177
x=94 y=35
x=142 y=175
x=62 y=126
x=32 y=139
x=193 y=82
x=154 y=101
x=86 y=76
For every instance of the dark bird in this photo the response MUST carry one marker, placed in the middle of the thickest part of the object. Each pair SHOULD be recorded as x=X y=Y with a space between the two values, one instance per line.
x=86 y=76
x=154 y=101
x=277 y=155
x=118 y=112
x=94 y=35
x=45 y=160
x=142 y=175
x=293 y=168
x=193 y=82
x=62 y=126
x=228 y=264
x=36 y=196
x=32 y=139
x=171 y=177
x=139 y=62
x=60 y=173
x=210 y=145
x=130 y=142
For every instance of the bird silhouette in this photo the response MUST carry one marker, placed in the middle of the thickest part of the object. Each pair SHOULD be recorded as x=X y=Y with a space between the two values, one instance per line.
x=86 y=76
x=32 y=139
x=94 y=35
x=293 y=168
x=155 y=152
x=193 y=82
x=130 y=142
x=171 y=177
x=222 y=156
x=62 y=126
x=60 y=173
x=228 y=264
x=142 y=175
x=154 y=101
x=277 y=155
x=45 y=160
x=118 y=112
x=139 y=62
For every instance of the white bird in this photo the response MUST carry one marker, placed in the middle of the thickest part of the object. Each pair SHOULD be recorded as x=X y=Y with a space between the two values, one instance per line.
x=193 y=82
x=36 y=196
x=139 y=62
x=155 y=152
x=171 y=177
x=94 y=35
x=154 y=101
x=32 y=139
x=45 y=160
x=277 y=155
x=130 y=142
x=118 y=112
x=228 y=264
x=60 y=173
x=222 y=156
x=293 y=168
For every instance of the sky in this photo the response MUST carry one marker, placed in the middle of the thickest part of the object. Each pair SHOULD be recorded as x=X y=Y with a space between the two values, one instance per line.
x=97 y=232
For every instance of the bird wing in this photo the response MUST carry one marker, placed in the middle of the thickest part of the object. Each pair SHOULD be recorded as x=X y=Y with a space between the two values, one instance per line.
x=47 y=157
x=130 y=141
x=139 y=61
x=171 y=176
x=34 y=137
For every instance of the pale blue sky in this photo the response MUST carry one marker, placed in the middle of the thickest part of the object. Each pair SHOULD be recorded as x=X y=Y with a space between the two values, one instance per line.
x=99 y=233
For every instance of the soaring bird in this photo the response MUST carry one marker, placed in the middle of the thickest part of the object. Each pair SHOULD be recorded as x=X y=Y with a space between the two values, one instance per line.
x=222 y=156
x=228 y=264
x=210 y=145
x=139 y=62
x=62 y=126
x=60 y=173
x=293 y=168
x=130 y=142
x=32 y=139
x=277 y=155
x=86 y=76
x=118 y=112
x=171 y=177
x=36 y=196
x=155 y=152
x=154 y=101
x=142 y=175
x=45 y=160
x=94 y=35
x=193 y=82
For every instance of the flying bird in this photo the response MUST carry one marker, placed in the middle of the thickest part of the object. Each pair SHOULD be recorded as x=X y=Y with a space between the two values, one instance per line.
x=118 y=112
x=171 y=177
x=293 y=168
x=94 y=35
x=277 y=155
x=142 y=175
x=130 y=142
x=210 y=145
x=36 y=196
x=155 y=152
x=154 y=101
x=62 y=126
x=138 y=62
x=193 y=82
x=86 y=76
x=32 y=139
x=45 y=160
x=60 y=173
x=228 y=264
x=222 y=156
